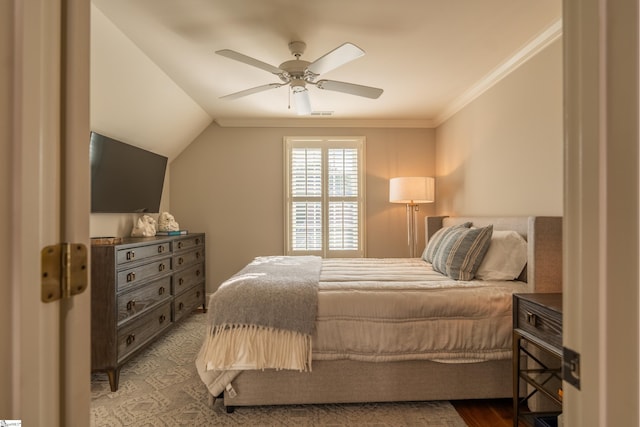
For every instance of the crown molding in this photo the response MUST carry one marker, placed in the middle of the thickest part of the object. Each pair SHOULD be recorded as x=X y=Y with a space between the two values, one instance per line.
x=537 y=44
x=324 y=122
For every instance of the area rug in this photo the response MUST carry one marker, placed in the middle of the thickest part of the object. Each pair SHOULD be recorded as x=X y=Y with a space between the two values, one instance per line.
x=160 y=387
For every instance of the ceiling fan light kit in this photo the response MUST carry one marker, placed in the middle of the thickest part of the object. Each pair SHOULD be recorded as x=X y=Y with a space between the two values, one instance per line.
x=297 y=73
x=302 y=102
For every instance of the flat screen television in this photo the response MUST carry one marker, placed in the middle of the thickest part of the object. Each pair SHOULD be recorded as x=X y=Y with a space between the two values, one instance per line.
x=124 y=178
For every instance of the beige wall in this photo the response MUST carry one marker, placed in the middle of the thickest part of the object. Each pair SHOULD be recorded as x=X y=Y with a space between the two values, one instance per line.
x=502 y=153
x=134 y=101
x=229 y=184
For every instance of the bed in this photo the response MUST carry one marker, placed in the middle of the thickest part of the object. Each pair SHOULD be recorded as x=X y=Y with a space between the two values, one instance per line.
x=351 y=360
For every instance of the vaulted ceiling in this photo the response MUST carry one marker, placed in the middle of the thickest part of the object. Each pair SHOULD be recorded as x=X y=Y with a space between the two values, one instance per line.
x=429 y=56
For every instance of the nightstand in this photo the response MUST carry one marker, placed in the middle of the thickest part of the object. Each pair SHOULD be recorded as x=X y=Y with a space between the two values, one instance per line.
x=537 y=354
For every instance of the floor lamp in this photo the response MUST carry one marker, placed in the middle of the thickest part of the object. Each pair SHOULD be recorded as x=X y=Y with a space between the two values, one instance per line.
x=412 y=191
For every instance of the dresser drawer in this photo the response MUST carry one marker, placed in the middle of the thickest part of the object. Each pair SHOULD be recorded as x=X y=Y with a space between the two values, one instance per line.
x=187 y=278
x=187 y=243
x=139 y=253
x=141 y=330
x=187 y=258
x=540 y=321
x=188 y=301
x=137 y=301
x=132 y=276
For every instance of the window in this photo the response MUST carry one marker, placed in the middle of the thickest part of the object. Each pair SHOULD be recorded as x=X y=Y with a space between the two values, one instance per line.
x=324 y=201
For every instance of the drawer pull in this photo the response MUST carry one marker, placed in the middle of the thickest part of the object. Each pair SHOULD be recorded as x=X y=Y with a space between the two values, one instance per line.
x=131 y=305
x=160 y=249
x=197 y=255
x=180 y=261
x=197 y=272
x=180 y=281
x=532 y=319
x=198 y=294
x=180 y=306
x=131 y=276
x=161 y=267
x=130 y=255
x=162 y=318
x=161 y=290
x=197 y=241
x=179 y=245
x=130 y=339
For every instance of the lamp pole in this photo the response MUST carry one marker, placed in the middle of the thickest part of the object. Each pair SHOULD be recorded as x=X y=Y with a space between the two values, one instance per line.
x=411 y=191
x=412 y=228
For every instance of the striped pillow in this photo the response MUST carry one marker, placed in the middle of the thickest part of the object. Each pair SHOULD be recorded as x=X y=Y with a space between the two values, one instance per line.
x=461 y=252
x=436 y=240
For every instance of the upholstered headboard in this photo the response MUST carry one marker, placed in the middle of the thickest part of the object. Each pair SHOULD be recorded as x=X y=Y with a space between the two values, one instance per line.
x=543 y=272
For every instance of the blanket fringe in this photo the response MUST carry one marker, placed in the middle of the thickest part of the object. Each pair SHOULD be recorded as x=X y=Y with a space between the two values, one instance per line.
x=256 y=347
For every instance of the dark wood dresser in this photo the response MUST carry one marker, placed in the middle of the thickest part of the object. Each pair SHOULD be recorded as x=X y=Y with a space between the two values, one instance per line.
x=139 y=288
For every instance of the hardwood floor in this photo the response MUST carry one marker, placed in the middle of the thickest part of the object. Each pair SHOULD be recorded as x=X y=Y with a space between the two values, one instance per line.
x=485 y=413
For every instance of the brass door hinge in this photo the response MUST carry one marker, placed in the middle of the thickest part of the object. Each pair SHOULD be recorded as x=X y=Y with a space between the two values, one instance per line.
x=64 y=271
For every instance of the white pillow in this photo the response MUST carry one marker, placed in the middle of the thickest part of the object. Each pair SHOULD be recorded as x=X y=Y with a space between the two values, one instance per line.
x=506 y=257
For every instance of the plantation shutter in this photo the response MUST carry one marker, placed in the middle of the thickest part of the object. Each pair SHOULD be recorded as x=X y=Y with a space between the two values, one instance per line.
x=306 y=193
x=325 y=197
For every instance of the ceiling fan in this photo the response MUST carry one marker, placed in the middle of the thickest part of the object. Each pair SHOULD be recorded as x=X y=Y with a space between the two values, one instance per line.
x=298 y=73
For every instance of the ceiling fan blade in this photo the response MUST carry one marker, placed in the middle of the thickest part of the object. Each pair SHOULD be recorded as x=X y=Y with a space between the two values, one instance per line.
x=301 y=99
x=256 y=89
x=337 y=57
x=232 y=54
x=351 y=88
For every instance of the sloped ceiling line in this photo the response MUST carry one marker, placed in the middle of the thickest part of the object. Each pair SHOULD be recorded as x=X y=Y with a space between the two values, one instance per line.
x=430 y=62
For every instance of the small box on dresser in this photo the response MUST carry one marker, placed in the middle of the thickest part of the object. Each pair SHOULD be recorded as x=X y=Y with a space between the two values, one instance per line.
x=139 y=288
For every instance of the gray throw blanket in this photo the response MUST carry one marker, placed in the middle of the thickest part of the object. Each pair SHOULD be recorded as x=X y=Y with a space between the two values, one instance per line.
x=264 y=315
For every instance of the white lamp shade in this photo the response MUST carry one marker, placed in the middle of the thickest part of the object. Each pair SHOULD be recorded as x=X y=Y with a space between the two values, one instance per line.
x=415 y=189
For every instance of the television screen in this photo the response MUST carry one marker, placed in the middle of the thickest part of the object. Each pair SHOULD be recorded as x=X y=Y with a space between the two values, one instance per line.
x=124 y=178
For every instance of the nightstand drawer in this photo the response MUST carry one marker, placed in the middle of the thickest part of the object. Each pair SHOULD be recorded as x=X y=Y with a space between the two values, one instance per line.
x=539 y=321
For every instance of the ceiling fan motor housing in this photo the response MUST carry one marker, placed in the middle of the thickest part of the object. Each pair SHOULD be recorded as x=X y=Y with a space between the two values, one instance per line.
x=295 y=68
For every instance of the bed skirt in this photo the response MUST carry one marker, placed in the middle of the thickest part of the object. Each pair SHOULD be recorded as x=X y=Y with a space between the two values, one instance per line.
x=347 y=381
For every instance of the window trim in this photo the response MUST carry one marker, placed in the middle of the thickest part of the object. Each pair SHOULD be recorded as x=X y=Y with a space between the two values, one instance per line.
x=326 y=142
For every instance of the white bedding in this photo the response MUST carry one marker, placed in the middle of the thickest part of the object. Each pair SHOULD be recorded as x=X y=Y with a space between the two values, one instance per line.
x=394 y=309
x=401 y=309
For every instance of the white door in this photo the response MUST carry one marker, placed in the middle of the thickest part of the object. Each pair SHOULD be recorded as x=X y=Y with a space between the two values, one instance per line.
x=601 y=286
x=45 y=363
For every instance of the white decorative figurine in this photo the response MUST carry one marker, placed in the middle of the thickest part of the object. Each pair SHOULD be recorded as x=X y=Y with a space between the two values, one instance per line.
x=145 y=227
x=166 y=222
